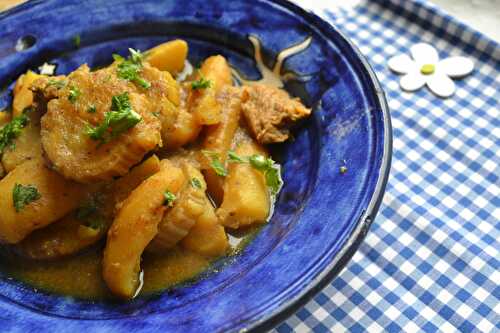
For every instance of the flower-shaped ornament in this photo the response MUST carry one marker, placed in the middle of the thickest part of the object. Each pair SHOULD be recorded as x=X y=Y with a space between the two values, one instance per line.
x=425 y=68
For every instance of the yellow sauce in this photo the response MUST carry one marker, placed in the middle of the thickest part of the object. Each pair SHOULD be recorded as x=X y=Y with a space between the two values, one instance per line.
x=80 y=276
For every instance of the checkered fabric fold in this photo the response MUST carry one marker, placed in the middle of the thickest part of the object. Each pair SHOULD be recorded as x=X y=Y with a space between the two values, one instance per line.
x=431 y=260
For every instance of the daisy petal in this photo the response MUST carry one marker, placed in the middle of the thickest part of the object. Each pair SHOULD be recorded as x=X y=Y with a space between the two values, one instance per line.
x=412 y=81
x=401 y=64
x=424 y=53
x=456 y=67
x=441 y=85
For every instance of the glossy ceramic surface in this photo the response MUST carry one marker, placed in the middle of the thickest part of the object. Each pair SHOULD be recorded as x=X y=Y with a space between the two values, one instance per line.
x=321 y=214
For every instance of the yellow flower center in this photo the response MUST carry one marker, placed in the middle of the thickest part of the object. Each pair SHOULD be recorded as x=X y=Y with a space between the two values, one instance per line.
x=427 y=69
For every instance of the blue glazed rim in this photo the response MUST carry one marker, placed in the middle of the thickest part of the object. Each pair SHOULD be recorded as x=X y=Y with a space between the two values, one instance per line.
x=357 y=236
x=353 y=241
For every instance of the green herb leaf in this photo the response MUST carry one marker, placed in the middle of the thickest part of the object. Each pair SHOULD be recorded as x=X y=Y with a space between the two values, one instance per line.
x=129 y=69
x=136 y=56
x=89 y=214
x=234 y=158
x=196 y=183
x=260 y=162
x=201 y=83
x=23 y=195
x=215 y=163
x=169 y=198
x=118 y=120
x=270 y=169
x=56 y=83
x=74 y=93
x=28 y=109
x=10 y=131
x=273 y=178
x=117 y=57
x=92 y=109
x=77 y=40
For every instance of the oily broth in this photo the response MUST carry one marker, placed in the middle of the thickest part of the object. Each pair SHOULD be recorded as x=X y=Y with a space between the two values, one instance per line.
x=80 y=276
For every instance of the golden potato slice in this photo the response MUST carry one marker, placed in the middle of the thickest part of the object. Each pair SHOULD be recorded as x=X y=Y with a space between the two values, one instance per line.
x=83 y=102
x=134 y=227
x=169 y=56
x=217 y=71
x=164 y=96
x=70 y=235
x=202 y=102
x=246 y=196
x=57 y=197
x=186 y=130
x=207 y=237
x=60 y=239
x=27 y=146
x=23 y=96
x=190 y=204
x=219 y=137
x=5 y=117
x=121 y=188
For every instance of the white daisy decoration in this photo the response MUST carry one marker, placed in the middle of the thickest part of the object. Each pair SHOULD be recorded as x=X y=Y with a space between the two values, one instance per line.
x=425 y=68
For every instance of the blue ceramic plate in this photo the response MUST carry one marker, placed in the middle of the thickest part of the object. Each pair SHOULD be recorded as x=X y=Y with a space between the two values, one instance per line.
x=321 y=215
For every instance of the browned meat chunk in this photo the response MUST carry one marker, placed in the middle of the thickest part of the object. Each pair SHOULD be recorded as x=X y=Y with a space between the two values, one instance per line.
x=270 y=112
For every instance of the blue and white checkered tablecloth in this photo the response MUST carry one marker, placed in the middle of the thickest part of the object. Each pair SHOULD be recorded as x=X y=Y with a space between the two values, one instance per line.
x=431 y=260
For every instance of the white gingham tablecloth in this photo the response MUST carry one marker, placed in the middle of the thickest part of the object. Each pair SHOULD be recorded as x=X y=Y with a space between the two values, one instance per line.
x=430 y=262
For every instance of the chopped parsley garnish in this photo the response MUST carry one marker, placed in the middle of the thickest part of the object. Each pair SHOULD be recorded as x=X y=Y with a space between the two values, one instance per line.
x=89 y=214
x=270 y=169
x=74 y=93
x=233 y=157
x=28 y=109
x=77 y=40
x=56 y=83
x=201 y=83
x=130 y=68
x=11 y=131
x=23 y=195
x=118 y=120
x=117 y=57
x=215 y=162
x=196 y=183
x=169 y=198
x=91 y=109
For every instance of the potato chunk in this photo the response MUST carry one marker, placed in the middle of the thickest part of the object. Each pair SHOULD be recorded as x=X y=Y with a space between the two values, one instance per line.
x=5 y=118
x=218 y=139
x=163 y=95
x=169 y=56
x=207 y=237
x=203 y=103
x=134 y=227
x=27 y=146
x=186 y=130
x=70 y=235
x=58 y=197
x=23 y=96
x=186 y=209
x=246 y=197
